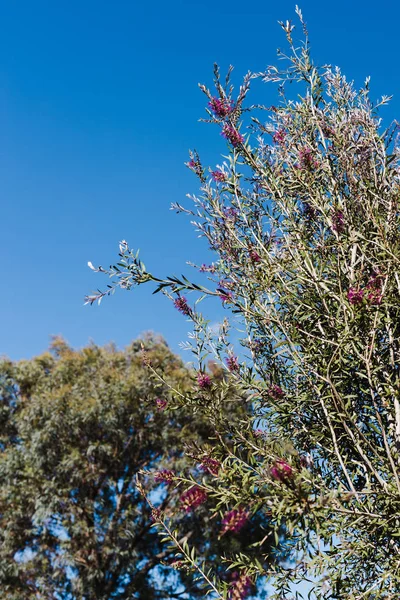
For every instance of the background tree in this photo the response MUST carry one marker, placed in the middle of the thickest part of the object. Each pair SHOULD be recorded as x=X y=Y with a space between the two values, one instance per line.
x=77 y=428
x=304 y=218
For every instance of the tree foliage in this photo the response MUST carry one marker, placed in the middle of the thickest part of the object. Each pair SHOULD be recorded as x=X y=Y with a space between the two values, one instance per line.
x=77 y=428
x=303 y=216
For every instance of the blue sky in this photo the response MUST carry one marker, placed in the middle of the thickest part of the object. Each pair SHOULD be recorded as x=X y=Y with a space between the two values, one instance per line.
x=98 y=106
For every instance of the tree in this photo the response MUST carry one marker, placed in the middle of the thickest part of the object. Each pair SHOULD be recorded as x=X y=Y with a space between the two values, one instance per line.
x=304 y=219
x=77 y=429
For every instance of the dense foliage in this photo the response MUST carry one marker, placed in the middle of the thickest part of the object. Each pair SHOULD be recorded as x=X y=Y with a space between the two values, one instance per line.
x=304 y=219
x=77 y=428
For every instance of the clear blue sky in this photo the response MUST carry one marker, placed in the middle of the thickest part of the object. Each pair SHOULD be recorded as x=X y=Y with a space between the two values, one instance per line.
x=98 y=106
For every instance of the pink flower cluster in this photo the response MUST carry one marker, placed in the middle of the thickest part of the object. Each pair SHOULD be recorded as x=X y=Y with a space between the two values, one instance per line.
x=355 y=296
x=240 y=586
x=218 y=176
x=276 y=392
x=193 y=498
x=233 y=364
x=211 y=465
x=234 y=520
x=230 y=133
x=226 y=297
x=254 y=256
x=338 y=221
x=281 y=471
x=203 y=381
x=181 y=304
x=221 y=107
x=195 y=166
x=372 y=292
x=164 y=476
x=374 y=287
x=306 y=159
x=207 y=268
x=279 y=136
x=161 y=403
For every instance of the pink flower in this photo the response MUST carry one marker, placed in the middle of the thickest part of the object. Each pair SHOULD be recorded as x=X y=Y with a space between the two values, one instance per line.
x=259 y=433
x=226 y=297
x=240 y=587
x=231 y=134
x=254 y=256
x=161 y=403
x=279 y=136
x=221 y=107
x=164 y=476
x=233 y=364
x=374 y=286
x=234 y=520
x=281 y=471
x=355 y=296
x=306 y=159
x=276 y=392
x=374 y=297
x=207 y=268
x=181 y=304
x=195 y=165
x=203 y=381
x=156 y=515
x=218 y=176
x=193 y=498
x=211 y=465
x=338 y=221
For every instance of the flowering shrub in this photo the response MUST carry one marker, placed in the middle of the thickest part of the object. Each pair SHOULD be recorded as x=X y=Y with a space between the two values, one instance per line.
x=306 y=232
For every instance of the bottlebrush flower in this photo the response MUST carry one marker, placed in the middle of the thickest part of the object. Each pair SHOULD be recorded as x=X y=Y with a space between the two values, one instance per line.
x=232 y=363
x=374 y=287
x=156 y=515
x=231 y=134
x=338 y=221
x=355 y=296
x=281 y=471
x=306 y=159
x=275 y=392
x=211 y=465
x=193 y=498
x=207 y=268
x=218 y=176
x=161 y=403
x=181 y=304
x=164 y=476
x=234 y=520
x=203 y=381
x=254 y=256
x=240 y=587
x=221 y=107
x=279 y=136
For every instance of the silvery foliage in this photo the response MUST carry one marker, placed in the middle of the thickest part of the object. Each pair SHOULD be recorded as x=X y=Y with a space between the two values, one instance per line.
x=304 y=221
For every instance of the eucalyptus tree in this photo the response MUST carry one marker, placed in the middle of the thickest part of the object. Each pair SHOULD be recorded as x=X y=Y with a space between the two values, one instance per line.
x=77 y=429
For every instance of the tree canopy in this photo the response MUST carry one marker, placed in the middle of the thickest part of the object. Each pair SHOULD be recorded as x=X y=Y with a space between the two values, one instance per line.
x=77 y=428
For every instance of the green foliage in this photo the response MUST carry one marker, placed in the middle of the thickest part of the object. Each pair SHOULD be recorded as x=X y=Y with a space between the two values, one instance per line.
x=77 y=428
x=304 y=218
